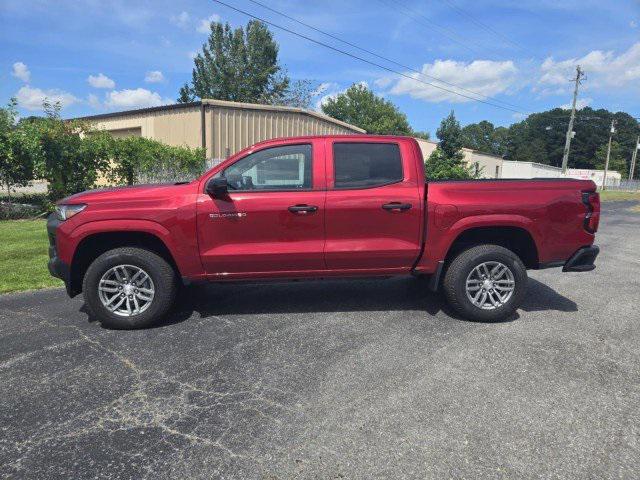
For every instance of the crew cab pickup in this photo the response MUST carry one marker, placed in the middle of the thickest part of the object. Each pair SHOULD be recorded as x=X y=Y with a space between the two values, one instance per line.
x=320 y=207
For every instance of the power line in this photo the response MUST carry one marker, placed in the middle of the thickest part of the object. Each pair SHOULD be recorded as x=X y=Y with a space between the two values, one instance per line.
x=334 y=37
x=383 y=67
x=483 y=25
x=416 y=16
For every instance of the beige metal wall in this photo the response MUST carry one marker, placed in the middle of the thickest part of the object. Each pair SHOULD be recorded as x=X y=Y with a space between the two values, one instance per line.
x=177 y=127
x=232 y=129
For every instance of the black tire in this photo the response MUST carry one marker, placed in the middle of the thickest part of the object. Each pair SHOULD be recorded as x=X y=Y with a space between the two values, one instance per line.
x=455 y=281
x=161 y=273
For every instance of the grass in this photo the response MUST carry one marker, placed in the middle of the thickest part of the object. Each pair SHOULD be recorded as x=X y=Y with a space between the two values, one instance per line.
x=24 y=255
x=615 y=196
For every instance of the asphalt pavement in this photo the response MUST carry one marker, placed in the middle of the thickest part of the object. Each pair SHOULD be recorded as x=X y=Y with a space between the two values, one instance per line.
x=333 y=379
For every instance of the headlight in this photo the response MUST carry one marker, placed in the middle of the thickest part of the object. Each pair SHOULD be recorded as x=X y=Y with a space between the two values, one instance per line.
x=65 y=212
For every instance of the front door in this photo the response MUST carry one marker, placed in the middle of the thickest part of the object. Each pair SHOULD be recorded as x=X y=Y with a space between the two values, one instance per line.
x=373 y=208
x=271 y=223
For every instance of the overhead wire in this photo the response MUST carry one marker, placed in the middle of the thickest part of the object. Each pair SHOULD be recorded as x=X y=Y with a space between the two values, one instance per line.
x=377 y=55
x=364 y=60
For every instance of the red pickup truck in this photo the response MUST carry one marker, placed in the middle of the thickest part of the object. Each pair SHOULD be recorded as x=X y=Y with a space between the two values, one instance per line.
x=320 y=207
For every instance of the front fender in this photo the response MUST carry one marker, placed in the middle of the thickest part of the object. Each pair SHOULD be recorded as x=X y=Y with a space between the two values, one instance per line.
x=186 y=260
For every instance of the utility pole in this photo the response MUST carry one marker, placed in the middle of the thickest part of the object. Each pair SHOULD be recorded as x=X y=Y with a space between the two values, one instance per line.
x=633 y=159
x=606 y=163
x=567 y=143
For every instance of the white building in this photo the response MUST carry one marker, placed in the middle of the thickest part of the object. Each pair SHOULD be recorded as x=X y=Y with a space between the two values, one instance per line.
x=514 y=169
x=613 y=177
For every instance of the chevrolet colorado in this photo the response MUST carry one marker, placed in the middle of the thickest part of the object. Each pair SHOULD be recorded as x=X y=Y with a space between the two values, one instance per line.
x=320 y=206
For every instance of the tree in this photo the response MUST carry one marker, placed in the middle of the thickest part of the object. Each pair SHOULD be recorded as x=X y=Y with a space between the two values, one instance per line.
x=237 y=66
x=70 y=153
x=299 y=94
x=484 y=137
x=447 y=160
x=617 y=160
x=17 y=144
x=361 y=107
x=424 y=135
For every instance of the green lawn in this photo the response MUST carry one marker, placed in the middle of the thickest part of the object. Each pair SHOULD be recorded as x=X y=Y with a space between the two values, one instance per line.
x=23 y=256
x=614 y=196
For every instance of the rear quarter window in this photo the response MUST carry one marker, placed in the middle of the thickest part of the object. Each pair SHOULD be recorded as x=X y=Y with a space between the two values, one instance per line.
x=366 y=165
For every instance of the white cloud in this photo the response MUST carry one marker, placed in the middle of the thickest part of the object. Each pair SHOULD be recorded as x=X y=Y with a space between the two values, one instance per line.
x=484 y=77
x=633 y=24
x=154 y=76
x=101 y=81
x=602 y=68
x=32 y=98
x=192 y=54
x=21 y=71
x=181 y=20
x=138 y=98
x=580 y=104
x=204 y=26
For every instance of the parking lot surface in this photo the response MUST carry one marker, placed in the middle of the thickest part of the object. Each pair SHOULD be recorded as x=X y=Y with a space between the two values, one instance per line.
x=334 y=379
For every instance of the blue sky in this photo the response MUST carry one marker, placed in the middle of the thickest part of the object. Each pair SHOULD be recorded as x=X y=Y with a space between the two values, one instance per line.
x=97 y=56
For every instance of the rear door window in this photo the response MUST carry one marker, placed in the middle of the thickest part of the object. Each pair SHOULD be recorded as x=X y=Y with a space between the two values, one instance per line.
x=366 y=165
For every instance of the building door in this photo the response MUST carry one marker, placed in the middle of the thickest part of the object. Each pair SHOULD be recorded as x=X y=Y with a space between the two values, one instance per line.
x=272 y=221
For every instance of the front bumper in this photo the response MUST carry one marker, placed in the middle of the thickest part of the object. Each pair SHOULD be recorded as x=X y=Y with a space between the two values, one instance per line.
x=57 y=267
x=583 y=260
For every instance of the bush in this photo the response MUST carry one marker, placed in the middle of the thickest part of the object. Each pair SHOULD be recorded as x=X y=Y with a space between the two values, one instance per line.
x=137 y=159
x=35 y=199
x=18 y=211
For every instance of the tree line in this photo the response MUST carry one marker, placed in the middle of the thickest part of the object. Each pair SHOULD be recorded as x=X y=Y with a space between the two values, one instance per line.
x=541 y=137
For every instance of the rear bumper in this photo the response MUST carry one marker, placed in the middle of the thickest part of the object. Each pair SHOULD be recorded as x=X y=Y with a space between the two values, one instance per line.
x=583 y=260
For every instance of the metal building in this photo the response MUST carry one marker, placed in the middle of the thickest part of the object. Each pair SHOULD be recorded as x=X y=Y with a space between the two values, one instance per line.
x=221 y=128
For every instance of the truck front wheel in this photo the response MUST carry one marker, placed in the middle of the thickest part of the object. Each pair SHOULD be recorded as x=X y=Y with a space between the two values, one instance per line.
x=129 y=287
x=485 y=283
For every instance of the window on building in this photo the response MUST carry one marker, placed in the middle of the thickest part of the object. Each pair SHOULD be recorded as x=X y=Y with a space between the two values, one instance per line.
x=278 y=168
x=497 y=171
x=364 y=165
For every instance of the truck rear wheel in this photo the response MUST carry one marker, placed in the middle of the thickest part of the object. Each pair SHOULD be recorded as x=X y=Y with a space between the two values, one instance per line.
x=129 y=288
x=485 y=283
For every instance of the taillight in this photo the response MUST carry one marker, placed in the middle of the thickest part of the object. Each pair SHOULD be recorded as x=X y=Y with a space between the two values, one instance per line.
x=592 y=217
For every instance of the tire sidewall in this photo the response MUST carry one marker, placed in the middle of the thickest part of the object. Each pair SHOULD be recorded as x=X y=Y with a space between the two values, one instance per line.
x=163 y=288
x=504 y=256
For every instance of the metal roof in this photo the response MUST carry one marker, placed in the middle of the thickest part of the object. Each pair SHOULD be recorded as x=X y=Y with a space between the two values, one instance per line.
x=225 y=104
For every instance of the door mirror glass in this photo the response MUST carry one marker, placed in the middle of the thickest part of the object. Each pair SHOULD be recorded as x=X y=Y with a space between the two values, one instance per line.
x=218 y=187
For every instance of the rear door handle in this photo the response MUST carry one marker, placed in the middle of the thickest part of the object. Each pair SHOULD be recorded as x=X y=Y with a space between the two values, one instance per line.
x=396 y=206
x=302 y=208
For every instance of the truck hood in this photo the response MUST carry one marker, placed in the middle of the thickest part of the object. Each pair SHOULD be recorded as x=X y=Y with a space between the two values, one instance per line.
x=127 y=193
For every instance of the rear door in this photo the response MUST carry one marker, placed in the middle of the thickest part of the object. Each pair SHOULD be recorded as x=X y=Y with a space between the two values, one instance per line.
x=373 y=205
x=272 y=222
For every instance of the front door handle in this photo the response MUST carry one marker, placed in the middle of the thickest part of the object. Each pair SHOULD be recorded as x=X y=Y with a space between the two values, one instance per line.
x=303 y=208
x=396 y=206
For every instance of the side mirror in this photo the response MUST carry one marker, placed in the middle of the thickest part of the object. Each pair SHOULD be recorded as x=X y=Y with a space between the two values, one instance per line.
x=218 y=187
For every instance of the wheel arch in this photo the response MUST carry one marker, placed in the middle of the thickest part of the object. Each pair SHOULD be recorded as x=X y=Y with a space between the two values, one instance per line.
x=515 y=238
x=95 y=244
